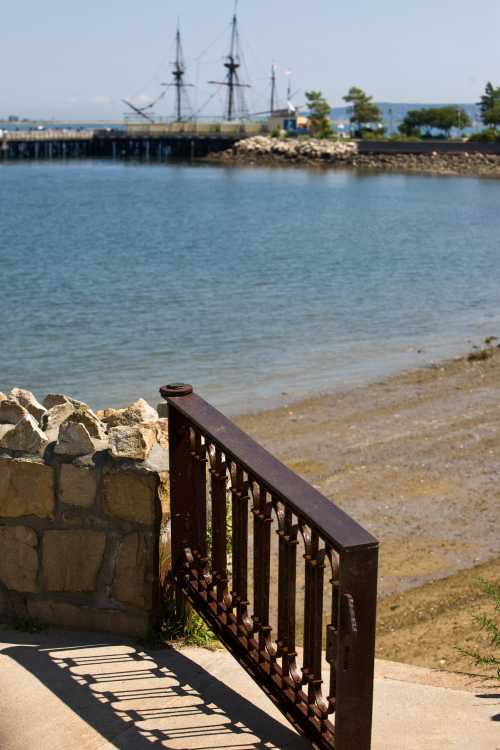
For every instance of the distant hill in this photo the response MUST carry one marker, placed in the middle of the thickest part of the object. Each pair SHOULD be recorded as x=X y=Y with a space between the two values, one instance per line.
x=394 y=112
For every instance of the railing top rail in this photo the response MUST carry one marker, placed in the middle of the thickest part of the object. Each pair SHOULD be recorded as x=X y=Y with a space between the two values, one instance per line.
x=332 y=523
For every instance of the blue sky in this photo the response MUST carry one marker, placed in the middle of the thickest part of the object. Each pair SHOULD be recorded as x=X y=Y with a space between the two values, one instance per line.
x=68 y=59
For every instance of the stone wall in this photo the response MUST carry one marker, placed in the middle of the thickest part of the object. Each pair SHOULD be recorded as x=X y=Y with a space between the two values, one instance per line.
x=83 y=497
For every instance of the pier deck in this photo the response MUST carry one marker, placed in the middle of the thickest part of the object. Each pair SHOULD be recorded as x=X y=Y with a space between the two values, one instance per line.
x=155 y=141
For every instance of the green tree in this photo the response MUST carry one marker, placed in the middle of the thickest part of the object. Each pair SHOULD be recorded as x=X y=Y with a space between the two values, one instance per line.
x=492 y=116
x=490 y=101
x=320 y=123
x=364 y=111
x=435 y=118
x=414 y=121
x=451 y=116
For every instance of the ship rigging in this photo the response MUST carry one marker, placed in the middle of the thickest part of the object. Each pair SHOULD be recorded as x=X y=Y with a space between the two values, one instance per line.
x=235 y=105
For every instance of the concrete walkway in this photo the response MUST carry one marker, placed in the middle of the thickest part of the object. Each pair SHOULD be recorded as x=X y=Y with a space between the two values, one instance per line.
x=78 y=691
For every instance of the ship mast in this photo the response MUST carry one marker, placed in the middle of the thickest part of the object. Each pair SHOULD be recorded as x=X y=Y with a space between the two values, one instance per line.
x=232 y=69
x=232 y=81
x=178 y=73
x=273 y=88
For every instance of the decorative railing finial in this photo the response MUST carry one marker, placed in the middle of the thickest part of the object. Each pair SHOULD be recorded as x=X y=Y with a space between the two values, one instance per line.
x=176 y=389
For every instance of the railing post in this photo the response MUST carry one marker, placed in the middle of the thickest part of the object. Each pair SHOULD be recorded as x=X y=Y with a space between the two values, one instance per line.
x=356 y=648
x=182 y=499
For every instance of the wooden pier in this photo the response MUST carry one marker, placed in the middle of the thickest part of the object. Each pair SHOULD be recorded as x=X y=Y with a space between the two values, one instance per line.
x=155 y=141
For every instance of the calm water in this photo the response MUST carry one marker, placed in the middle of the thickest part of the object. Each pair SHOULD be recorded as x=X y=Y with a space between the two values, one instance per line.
x=250 y=283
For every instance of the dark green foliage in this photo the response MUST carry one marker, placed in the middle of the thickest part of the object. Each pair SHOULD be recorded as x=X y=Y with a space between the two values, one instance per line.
x=28 y=625
x=489 y=135
x=491 y=627
x=320 y=124
x=480 y=355
x=489 y=105
x=492 y=116
x=434 y=118
x=193 y=632
x=373 y=135
x=364 y=110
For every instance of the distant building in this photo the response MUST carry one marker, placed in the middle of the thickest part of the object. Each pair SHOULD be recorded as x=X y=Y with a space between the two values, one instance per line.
x=289 y=121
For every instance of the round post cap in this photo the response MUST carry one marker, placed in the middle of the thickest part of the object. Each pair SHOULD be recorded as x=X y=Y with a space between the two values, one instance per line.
x=176 y=389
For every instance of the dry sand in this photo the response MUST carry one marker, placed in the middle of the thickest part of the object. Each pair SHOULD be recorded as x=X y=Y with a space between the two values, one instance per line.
x=416 y=460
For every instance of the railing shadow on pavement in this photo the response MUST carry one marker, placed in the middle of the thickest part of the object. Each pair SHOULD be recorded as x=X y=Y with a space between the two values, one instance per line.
x=141 y=699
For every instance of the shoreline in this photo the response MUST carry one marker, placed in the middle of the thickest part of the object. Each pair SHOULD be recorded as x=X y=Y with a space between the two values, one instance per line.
x=447 y=166
x=324 y=154
x=412 y=457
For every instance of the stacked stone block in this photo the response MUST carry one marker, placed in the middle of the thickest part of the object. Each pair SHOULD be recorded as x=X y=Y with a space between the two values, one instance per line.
x=79 y=535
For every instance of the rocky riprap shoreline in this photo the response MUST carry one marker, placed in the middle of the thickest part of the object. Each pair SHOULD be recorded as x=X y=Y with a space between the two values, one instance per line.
x=72 y=429
x=263 y=148
x=315 y=152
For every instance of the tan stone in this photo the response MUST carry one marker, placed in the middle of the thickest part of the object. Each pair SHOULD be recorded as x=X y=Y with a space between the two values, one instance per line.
x=26 y=488
x=11 y=412
x=4 y=430
x=26 y=436
x=129 y=585
x=130 y=496
x=103 y=413
x=161 y=429
x=164 y=494
x=134 y=441
x=77 y=485
x=88 y=618
x=54 y=418
x=55 y=399
x=28 y=400
x=74 y=440
x=18 y=558
x=3 y=397
x=71 y=559
x=85 y=416
x=139 y=411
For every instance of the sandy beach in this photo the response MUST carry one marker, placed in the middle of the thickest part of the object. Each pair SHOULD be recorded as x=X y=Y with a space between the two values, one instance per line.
x=415 y=458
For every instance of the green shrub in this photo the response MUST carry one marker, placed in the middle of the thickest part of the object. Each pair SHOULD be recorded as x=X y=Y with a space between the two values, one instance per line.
x=373 y=135
x=29 y=625
x=480 y=355
x=404 y=138
x=491 y=626
x=489 y=135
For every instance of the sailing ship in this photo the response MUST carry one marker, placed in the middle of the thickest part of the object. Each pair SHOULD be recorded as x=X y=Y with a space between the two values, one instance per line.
x=235 y=106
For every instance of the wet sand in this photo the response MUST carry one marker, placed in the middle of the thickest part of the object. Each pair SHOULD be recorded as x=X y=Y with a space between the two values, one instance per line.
x=414 y=458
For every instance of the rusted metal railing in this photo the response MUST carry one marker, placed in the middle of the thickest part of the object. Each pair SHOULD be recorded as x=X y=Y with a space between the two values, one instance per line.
x=313 y=581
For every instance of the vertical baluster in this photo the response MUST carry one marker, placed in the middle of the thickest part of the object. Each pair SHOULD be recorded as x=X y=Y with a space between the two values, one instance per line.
x=239 y=592
x=198 y=476
x=313 y=619
x=262 y=569
x=287 y=575
x=199 y=489
x=219 y=526
x=332 y=631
